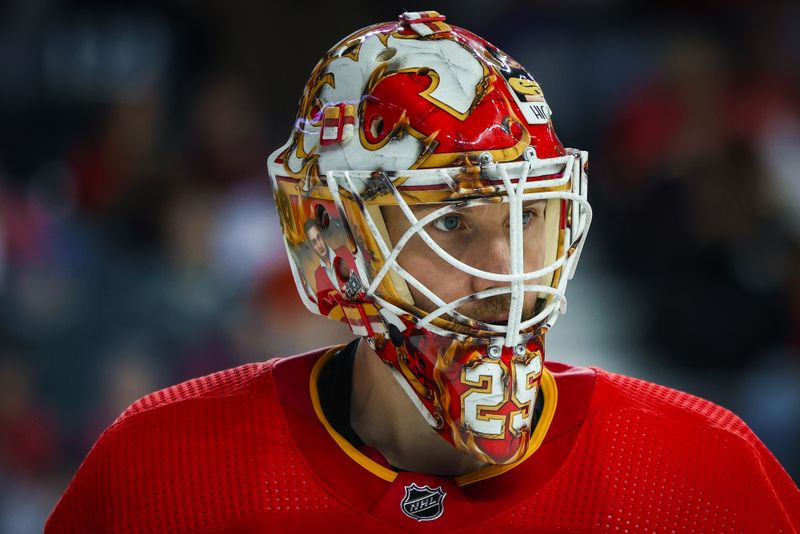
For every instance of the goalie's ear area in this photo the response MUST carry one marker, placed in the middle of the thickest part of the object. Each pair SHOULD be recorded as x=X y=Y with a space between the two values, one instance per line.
x=322 y=217
x=343 y=271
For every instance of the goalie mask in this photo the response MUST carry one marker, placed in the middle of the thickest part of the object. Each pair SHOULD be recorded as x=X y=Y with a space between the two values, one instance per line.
x=427 y=203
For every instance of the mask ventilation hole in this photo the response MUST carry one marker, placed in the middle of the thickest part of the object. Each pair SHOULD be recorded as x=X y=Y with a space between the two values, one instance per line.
x=322 y=218
x=376 y=126
x=386 y=54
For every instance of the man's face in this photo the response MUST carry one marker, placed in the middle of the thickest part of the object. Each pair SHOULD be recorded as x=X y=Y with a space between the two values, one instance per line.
x=479 y=237
x=318 y=242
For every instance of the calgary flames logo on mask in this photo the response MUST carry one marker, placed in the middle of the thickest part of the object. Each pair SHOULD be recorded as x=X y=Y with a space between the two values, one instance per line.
x=408 y=113
x=402 y=102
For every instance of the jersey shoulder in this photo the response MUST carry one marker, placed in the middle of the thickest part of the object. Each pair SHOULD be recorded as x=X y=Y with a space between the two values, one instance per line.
x=217 y=444
x=671 y=406
x=649 y=457
x=248 y=379
x=655 y=433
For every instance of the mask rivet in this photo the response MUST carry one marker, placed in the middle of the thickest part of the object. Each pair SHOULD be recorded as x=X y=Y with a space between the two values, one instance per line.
x=495 y=351
x=485 y=158
x=530 y=153
x=519 y=350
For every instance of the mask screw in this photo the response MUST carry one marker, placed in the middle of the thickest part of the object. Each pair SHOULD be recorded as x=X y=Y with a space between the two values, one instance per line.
x=530 y=153
x=519 y=350
x=495 y=351
x=485 y=158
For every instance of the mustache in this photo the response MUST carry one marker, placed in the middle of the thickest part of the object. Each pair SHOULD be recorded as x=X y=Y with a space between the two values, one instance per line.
x=489 y=309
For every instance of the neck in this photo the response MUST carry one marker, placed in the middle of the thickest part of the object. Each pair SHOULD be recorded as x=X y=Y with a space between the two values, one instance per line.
x=385 y=418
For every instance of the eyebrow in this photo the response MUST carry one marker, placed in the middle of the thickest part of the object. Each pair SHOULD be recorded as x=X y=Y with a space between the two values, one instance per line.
x=534 y=201
x=421 y=210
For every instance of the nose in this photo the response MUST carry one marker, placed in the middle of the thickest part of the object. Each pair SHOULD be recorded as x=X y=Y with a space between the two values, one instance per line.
x=492 y=254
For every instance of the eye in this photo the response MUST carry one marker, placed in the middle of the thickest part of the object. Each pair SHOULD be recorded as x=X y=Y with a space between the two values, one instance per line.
x=528 y=216
x=447 y=223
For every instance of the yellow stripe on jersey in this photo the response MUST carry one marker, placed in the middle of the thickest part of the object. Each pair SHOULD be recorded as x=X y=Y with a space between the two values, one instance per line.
x=365 y=462
x=548 y=389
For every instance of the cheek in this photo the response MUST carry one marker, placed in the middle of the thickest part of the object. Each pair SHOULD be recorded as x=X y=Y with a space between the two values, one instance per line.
x=431 y=270
x=534 y=258
x=535 y=250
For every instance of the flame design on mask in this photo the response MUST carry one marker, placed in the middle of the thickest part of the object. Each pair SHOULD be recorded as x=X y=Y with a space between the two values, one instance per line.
x=433 y=366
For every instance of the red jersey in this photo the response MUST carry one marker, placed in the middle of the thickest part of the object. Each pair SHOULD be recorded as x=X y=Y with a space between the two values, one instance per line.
x=248 y=450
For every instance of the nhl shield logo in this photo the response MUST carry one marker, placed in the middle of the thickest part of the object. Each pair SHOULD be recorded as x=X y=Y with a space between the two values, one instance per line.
x=423 y=503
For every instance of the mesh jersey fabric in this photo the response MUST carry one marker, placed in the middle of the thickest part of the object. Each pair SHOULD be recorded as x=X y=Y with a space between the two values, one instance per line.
x=239 y=451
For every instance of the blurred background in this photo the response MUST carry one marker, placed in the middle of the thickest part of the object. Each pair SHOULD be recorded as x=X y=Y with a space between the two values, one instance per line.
x=139 y=246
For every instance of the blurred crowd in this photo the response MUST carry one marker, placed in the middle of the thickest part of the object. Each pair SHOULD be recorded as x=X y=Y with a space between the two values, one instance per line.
x=139 y=245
